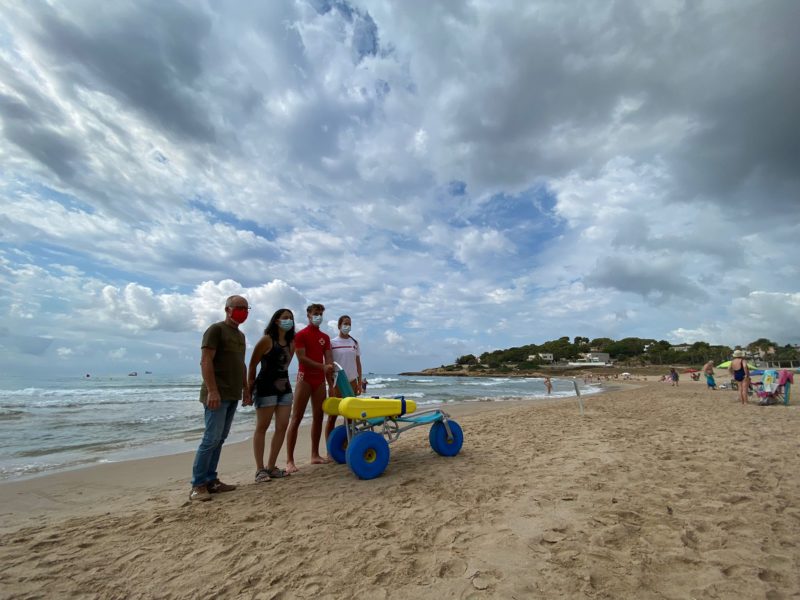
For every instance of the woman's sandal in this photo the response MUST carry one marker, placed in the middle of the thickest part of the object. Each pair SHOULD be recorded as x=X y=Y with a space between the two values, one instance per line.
x=276 y=473
x=262 y=476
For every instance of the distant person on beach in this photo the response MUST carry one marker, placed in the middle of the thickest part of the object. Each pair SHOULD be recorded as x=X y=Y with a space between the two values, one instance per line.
x=347 y=354
x=364 y=383
x=224 y=376
x=548 y=384
x=313 y=349
x=708 y=371
x=272 y=391
x=741 y=374
x=674 y=377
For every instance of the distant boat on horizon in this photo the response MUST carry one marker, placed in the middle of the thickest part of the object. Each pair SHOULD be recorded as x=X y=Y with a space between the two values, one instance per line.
x=148 y=372
x=132 y=374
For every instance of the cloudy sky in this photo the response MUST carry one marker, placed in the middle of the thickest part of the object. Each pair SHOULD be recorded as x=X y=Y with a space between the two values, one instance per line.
x=456 y=176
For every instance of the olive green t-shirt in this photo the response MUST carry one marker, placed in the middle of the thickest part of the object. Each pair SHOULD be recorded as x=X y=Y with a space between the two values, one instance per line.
x=228 y=361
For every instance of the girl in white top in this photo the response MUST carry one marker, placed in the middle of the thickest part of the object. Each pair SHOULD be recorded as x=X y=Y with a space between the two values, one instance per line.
x=347 y=354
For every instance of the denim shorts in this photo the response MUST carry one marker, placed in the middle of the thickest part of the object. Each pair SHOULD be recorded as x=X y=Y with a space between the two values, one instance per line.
x=267 y=401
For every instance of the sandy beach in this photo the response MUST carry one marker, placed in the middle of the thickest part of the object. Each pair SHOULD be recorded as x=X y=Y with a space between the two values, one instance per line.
x=657 y=492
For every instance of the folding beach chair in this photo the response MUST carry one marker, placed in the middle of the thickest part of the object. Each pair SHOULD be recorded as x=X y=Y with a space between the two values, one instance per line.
x=775 y=387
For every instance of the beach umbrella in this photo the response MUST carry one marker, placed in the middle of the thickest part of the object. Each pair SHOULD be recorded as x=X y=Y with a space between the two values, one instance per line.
x=727 y=364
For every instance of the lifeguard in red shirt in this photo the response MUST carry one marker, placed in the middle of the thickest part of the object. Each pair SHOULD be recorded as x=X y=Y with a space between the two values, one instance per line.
x=313 y=351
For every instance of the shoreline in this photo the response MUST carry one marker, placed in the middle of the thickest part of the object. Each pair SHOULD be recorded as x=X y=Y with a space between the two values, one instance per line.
x=569 y=372
x=50 y=494
x=186 y=442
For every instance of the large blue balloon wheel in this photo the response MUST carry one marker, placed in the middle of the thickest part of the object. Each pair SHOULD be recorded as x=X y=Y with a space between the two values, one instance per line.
x=337 y=443
x=368 y=454
x=439 y=442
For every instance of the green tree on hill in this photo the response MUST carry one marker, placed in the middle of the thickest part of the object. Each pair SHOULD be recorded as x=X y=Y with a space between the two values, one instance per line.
x=601 y=344
x=626 y=348
x=467 y=359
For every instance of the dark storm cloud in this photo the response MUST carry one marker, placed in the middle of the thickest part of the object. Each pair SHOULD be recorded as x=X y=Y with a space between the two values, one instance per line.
x=149 y=57
x=31 y=122
x=633 y=231
x=742 y=84
x=546 y=86
x=657 y=281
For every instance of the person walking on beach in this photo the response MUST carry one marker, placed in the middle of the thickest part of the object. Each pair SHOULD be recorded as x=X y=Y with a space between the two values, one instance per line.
x=313 y=349
x=741 y=374
x=271 y=389
x=224 y=376
x=347 y=355
x=548 y=384
x=674 y=377
x=708 y=371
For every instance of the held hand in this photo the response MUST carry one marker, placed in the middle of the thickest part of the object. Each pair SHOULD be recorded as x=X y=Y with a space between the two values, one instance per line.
x=247 y=397
x=328 y=368
x=213 y=402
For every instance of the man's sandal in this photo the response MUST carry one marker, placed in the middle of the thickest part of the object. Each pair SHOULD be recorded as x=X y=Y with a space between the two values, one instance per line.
x=276 y=473
x=262 y=476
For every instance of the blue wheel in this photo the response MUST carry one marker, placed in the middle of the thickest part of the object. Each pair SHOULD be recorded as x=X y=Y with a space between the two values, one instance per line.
x=337 y=443
x=438 y=438
x=368 y=455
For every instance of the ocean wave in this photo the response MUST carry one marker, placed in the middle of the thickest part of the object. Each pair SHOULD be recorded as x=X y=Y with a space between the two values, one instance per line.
x=8 y=414
x=88 y=446
x=93 y=401
x=381 y=379
x=36 y=392
x=487 y=382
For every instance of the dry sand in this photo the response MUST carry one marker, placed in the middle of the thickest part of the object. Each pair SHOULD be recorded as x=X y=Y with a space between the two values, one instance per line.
x=657 y=492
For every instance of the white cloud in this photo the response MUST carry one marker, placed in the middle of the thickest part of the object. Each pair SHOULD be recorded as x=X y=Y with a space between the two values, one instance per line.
x=392 y=337
x=486 y=173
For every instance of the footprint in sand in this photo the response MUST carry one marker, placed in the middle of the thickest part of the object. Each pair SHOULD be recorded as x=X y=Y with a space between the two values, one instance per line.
x=452 y=568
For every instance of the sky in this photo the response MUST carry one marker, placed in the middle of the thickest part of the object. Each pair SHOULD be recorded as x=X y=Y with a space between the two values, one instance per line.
x=457 y=177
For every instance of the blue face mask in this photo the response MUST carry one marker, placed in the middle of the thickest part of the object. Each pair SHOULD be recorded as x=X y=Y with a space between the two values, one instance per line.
x=316 y=319
x=286 y=324
x=345 y=328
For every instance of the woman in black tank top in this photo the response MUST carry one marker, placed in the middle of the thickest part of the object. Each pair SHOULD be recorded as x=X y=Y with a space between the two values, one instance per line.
x=271 y=390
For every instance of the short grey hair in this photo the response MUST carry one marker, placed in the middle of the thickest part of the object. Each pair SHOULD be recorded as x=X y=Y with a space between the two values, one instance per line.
x=229 y=301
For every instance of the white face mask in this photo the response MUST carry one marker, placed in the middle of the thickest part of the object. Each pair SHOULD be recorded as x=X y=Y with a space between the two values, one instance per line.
x=316 y=319
x=345 y=328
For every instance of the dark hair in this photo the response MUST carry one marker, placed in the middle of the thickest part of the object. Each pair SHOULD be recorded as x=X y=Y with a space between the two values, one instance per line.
x=272 y=327
x=311 y=307
x=339 y=325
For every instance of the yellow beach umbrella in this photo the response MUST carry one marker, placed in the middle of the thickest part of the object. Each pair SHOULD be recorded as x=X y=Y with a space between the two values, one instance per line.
x=727 y=364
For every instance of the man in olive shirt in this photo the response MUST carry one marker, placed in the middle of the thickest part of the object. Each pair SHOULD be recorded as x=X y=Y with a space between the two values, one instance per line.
x=224 y=376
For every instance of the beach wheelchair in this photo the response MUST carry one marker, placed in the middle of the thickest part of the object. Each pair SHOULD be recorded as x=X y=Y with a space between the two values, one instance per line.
x=372 y=423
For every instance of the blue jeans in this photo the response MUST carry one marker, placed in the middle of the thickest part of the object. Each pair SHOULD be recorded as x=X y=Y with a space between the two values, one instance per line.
x=218 y=425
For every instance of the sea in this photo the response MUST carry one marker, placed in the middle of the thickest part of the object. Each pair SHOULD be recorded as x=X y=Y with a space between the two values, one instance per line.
x=65 y=423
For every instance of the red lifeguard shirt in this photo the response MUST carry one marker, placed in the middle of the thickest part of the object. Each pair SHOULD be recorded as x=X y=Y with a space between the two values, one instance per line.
x=315 y=343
